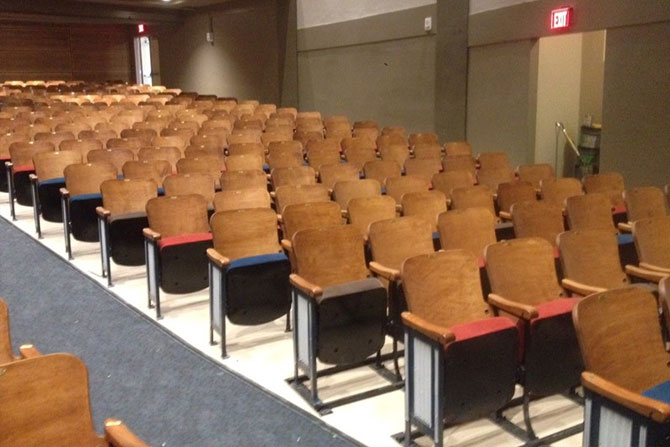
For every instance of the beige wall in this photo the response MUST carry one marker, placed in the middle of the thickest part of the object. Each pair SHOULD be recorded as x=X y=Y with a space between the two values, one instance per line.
x=558 y=92
x=243 y=62
x=593 y=73
x=636 y=104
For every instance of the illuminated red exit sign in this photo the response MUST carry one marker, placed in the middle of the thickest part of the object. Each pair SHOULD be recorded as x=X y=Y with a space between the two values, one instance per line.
x=561 y=18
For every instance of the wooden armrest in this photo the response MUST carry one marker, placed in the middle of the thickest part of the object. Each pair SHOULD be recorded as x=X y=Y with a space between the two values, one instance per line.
x=309 y=288
x=512 y=307
x=435 y=332
x=64 y=192
x=33 y=177
x=646 y=406
x=287 y=245
x=273 y=194
x=625 y=227
x=28 y=352
x=119 y=435
x=102 y=212
x=217 y=258
x=384 y=272
x=151 y=234
x=345 y=214
x=280 y=219
x=580 y=288
x=648 y=275
x=505 y=215
x=654 y=268
x=398 y=208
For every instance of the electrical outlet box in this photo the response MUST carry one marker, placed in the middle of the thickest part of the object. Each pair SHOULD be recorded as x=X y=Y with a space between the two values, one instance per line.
x=428 y=24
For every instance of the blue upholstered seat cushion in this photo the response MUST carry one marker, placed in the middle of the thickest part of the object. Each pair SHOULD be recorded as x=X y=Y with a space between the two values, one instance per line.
x=53 y=181
x=625 y=239
x=659 y=392
x=256 y=260
x=84 y=197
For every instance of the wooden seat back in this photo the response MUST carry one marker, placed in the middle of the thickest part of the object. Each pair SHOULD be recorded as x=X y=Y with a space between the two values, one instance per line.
x=510 y=193
x=468 y=229
x=380 y=170
x=127 y=196
x=320 y=156
x=609 y=183
x=201 y=165
x=459 y=163
x=237 y=199
x=167 y=153
x=299 y=175
x=293 y=194
x=82 y=146
x=423 y=138
x=246 y=148
x=535 y=173
x=330 y=174
x=155 y=170
x=245 y=232
x=398 y=153
x=330 y=255
x=472 y=196
x=284 y=157
x=494 y=177
x=50 y=165
x=21 y=153
x=85 y=178
x=423 y=167
x=426 y=205
x=310 y=215
x=394 y=240
x=523 y=270
x=200 y=183
x=396 y=187
x=116 y=157
x=556 y=190
x=449 y=180
x=652 y=240
x=431 y=151
x=345 y=191
x=458 y=148
x=358 y=156
x=537 y=219
x=243 y=179
x=178 y=215
x=363 y=211
x=493 y=160
x=245 y=162
x=641 y=203
x=590 y=211
x=620 y=338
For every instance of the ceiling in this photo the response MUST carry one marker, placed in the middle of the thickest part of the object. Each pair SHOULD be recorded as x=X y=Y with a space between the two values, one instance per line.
x=173 y=4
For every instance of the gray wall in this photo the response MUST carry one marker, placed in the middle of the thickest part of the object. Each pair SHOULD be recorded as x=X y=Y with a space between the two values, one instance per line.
x=380 y=67
x=244 y=60
x=636 y=104
x=501 y=99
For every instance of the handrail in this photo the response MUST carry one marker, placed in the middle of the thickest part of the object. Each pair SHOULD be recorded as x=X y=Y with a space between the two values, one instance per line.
x=561 y=127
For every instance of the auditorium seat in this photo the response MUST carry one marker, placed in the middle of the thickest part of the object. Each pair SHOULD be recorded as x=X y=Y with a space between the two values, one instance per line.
x=535 y=173
x=358 y=155
x=495 y=176
x=231 y=179
x=426 y=205
x=396 y=187
x=423 y=167
x=430 y=151
x=493 y=160
x=345 y=191
x=19 y=168
x=524 y=284
x=116 y=157
x=652 y=243
x=84 y=146
x=555 y=191
x=590 y=211
x=608 y=183
x=236 y=199
x=46 y=402
x=457 y=148
x=510 y=193
x=79 y=199
x=324 y=155
x=167 y=153
x=121 y=219
x=460 y=359
x=380 y=170
x=246 y=148
x=398 y=153
x=205 y=165
x=642 y=203
x=626 y=377
x=363 y=211
x=245 y=162
x=6 y=353
x=330 y=174
x=468 y=229
x=423 y=138
x=248 y=273
x=298 y=175
x=459 y=163
x=472 y=196
x=293 y=194
x=448 y=180
x=284 y=157
x=537 y=219
x=175 y=246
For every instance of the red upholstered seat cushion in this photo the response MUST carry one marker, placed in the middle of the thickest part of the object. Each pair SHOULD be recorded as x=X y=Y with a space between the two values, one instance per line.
x=555 y=307
x=481 y=262
x=23 y=168
x=183 y=239
x=619 y=209
x=481 y=327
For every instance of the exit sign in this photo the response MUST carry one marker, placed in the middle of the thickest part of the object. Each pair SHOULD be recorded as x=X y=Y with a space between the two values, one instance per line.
x=561 y=18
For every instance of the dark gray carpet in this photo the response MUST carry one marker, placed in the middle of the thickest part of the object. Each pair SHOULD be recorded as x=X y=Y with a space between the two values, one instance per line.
x=169 y=395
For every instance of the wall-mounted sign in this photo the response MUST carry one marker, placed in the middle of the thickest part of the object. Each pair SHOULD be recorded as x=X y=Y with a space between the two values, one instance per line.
x=561 y=18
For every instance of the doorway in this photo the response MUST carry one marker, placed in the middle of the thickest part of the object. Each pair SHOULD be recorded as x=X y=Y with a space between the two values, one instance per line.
x=147 y=61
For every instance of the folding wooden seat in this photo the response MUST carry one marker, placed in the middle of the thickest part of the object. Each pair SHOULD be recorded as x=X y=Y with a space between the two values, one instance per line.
x=236 y=199
x=537 y=219
x=493 y=177
x=232 y=180
x=427 y=205
x=535 y=173
x=469 y=229
x=175 y=245
x=458 y=148
x=305 y=216
x=209 y=140
x=276 y=136
x=84 y=146
x=363 y=211
x=335 y=120
x=19 y=168
x=146 y=135
x=246 y=148
x=493 y=160
x=524 y=284
x=642 y=203
x=590 y=262
x=208 y=152
x=459 y=163
x=80 y=198
x=397 y=138
x=590 y=211
x=121 y=219
x=423 y=138
x=6 y=354
x=101 y=135
x=155 y=170
x=200 y=183
x=430 y=151
x=358 y=156
x=380 y=170
x=338 y=130
x=510 y=193
x=284 y=157
x=305 y=136
x=371 y=133
x=391 y=242
x=51 y=122
x=46 y=184
x=366 y=124
x=74 y=127
x=308 y=124
x=394 y=130
x=32 y=129
x=460 y=359
x=204 y=165
x=299 y=175
x=555 y=191
x=609 y=183
x=344 y=191
x=239 y=137
x=248 y=273
x=333 y=299
x=398 y=153
x=133 y=144
x=294 y=194
x=396 y=187
x=626 y=378
x=46 y=402
x=447 y=181
x=56 y=138
x=652 y=243
x=171 y=141
x=116 y=157
x=170 y=154
x=245 y=162
x=423 y=167
x=320 y=156
x=358 y=142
